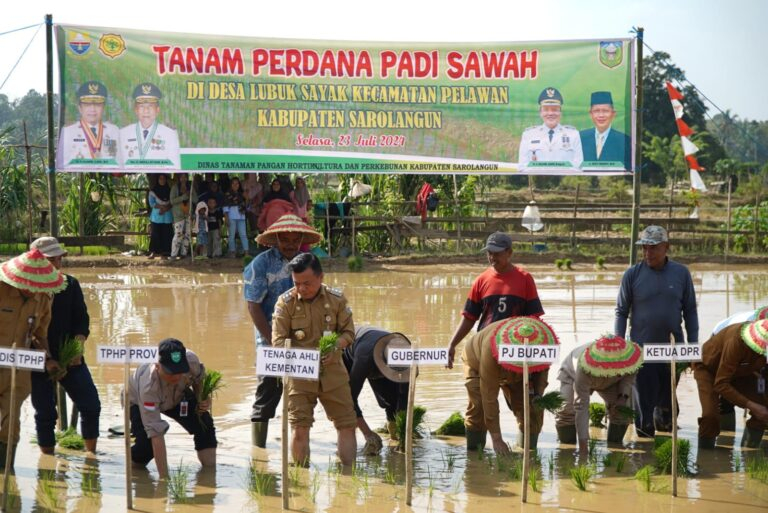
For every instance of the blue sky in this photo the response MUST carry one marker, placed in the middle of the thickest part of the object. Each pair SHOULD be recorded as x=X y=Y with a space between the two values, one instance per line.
x=717 y=44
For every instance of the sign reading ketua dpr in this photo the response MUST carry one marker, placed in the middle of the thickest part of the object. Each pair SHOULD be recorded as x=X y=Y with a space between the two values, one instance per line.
x=119 y=354
x=668 y=352
x=292 y=363
x=539 y=354
x=22 y=358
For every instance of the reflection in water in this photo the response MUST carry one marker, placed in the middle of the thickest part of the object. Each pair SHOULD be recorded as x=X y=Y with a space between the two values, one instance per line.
x=207 y=312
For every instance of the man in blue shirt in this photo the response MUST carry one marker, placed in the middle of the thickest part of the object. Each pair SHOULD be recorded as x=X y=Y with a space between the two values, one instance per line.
x=659 y=295
x=265 y=279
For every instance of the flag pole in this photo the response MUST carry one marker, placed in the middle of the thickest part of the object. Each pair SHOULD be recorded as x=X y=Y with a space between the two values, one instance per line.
x=635 y=229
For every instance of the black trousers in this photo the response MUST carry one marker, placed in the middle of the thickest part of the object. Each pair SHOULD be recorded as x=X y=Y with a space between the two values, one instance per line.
x=200 y=426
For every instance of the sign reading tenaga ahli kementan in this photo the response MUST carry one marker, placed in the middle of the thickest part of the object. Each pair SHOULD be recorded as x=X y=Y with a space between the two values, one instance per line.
x=291 y=363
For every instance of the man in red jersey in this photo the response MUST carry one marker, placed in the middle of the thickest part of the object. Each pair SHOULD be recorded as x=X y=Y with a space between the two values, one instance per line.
x=500 y=292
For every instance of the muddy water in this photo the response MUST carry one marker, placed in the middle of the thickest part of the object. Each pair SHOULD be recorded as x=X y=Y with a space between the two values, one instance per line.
x=207 y=312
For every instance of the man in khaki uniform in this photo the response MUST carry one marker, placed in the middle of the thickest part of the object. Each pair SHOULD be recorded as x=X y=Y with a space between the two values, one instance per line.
x=27 y=283
x=607 y=366
x=303 y=315
x=484 y=376
x=732 y=366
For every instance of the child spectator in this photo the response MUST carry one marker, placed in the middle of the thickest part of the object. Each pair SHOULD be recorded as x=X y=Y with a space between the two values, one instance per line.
x=215 y=218
x=201 y=227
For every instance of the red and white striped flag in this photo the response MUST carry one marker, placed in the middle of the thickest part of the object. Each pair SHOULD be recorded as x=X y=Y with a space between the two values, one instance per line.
x=689 y=149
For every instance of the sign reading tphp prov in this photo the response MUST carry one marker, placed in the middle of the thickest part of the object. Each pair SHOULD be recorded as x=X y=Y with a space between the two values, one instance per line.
x=668 y=352
x=539 y=354
x=22 y=358
x=118 y=354
x=292 y=363
x=405 y=357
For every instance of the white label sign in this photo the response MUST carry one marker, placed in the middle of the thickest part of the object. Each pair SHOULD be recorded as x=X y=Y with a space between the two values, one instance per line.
x=118 y=354
x=23 y=358
x=668 y=352
x=405 y=357
x=540 y=354
x=292 y=363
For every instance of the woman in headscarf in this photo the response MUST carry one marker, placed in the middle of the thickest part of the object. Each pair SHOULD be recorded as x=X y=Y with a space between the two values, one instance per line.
x=300 y=197
x=160 y=218
x=234 y=209
x=276 y=192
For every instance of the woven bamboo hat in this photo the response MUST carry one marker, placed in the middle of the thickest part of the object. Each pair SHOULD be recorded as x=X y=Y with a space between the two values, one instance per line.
x=610 y=356
x=289 y=223
x=31 y=271
x=392 y=373
x=519 y=331
x=755 y=335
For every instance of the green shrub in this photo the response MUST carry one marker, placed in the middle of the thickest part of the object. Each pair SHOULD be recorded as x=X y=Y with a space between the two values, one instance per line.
x=453 y=426
x=596 y=414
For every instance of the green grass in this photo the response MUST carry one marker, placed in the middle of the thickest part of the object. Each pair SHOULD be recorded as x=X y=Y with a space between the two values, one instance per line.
x=757 y=468
x=663 y=455
x=355 y=263
x=178 y=479
x=581 y=476
x=69 y=350
x=260 y=483
x=596 y=414
x=210 y=385
x=620 y=462
x=551 y=401
x=327 y=343
x=70 y=439
x=533 y=478
x=14 y=248
x=47 y=489
x=453 y=426
x=627 y=413
x=418 y=425
x=644 y=476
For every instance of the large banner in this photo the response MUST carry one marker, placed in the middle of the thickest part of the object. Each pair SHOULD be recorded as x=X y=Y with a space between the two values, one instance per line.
x=154 y=101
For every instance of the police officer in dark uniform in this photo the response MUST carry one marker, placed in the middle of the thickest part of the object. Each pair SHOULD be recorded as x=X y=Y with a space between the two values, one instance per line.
x=366 y=360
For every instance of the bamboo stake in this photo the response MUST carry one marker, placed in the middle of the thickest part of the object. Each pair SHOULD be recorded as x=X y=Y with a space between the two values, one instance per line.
x=127 y=428
x=284 y=468
x=673 y=378
x=526 y=426
x=11 y=420
x=409 y=435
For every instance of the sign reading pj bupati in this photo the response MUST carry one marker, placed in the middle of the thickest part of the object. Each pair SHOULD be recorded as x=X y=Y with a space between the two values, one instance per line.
x=152 y=101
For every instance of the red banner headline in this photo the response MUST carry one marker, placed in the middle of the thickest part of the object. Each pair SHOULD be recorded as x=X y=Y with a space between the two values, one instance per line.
x=292 y=62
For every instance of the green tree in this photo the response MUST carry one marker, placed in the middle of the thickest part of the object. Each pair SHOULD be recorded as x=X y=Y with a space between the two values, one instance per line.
x=659 y=119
